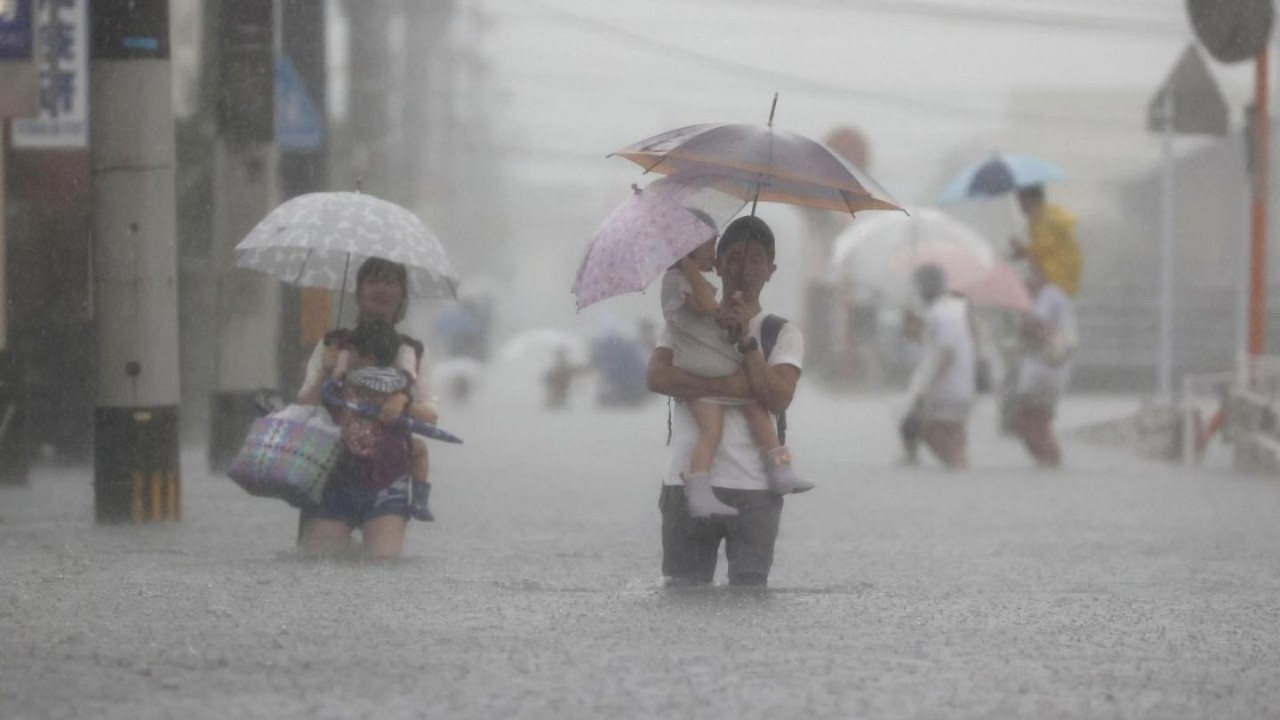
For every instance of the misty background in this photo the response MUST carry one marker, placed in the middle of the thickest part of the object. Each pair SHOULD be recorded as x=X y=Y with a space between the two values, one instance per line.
x=493 y=120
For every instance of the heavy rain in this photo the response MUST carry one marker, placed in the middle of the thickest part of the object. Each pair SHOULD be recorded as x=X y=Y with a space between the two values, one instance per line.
x=556 y=358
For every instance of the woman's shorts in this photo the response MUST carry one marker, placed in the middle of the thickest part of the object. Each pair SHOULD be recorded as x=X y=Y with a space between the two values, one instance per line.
x=355 y=505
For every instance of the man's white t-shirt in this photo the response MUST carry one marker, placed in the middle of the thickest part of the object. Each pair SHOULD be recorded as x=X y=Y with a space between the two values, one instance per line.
x=737 y=462
x=947 y=327
x=1036 y=376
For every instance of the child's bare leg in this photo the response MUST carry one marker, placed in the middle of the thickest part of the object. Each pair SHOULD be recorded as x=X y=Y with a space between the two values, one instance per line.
x=710 y=419
x=697 y=482
x=763 y=432
x=777 y=458
x=420 y=490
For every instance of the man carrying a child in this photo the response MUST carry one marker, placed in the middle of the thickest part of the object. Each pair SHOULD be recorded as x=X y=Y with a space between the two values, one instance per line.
x=738 y=475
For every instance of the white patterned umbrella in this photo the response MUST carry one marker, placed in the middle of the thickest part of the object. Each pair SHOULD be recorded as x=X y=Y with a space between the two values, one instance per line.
x=320 y=239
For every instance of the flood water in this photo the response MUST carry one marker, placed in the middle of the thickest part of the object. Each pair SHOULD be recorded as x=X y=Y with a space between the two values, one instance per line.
x=1116 y=587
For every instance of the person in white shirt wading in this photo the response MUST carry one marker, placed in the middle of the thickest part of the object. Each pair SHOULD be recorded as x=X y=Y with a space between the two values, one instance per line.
x=772 y=355
x=942 y=388
x=1049 y=337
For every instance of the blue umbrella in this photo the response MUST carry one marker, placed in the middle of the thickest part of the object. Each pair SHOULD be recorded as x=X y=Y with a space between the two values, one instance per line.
x=1000 y=174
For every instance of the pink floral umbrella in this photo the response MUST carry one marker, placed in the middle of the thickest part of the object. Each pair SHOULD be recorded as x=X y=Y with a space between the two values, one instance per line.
x=651 y=232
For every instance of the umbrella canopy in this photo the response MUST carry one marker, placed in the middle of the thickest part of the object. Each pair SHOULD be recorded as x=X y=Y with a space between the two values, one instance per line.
x=539 y=346
x=1000 y=287
x=862 y=253
x=769 y=164
x=320 y=240
x=962 y=266
x=999 y=174
x=650 y=232
x=989 y=281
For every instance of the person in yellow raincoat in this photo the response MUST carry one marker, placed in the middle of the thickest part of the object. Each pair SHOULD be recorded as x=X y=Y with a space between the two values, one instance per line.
x=1052 y=246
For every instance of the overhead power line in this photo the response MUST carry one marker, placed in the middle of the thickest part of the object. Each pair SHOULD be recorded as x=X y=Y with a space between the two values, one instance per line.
x=1153 y=22
x=818 y=87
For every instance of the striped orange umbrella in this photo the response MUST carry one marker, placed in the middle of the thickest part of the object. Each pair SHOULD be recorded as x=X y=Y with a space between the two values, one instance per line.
x=771 y=164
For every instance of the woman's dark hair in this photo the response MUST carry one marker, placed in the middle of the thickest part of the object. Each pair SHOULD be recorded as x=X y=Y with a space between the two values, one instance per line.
x=747 y=228
x=385 y=268
x=376 y=339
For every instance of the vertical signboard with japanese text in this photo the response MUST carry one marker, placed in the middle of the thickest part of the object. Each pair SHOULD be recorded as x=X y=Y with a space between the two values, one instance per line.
x=62 y=52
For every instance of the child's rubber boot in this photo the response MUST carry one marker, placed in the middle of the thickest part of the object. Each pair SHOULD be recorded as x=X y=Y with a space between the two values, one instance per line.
x=782 y=477
x=703 y=503
x=418 y=494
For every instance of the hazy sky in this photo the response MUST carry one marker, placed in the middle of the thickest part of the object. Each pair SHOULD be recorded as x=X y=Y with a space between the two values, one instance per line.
x=917 y=76
x=930 y=83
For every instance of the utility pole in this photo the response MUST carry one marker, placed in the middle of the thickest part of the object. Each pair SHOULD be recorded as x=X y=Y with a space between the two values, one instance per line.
x=19 y=97
x=136 y=471
x=369 y=97
x=244 y=191
x=1258 y=208
x=303 y=138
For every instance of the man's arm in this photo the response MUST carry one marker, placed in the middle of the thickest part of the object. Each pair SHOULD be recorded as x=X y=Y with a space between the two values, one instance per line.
x=773 y=386
x=665 y=378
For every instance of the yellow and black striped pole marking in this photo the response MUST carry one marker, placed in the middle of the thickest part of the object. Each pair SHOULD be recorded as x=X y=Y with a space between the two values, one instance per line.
x=154 y=497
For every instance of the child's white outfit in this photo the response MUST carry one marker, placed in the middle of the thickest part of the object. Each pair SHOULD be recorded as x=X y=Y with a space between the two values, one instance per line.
x=699 y=345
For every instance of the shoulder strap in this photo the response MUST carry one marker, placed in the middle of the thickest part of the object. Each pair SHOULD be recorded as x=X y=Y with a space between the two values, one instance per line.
x=418 y=348
x=770 y=329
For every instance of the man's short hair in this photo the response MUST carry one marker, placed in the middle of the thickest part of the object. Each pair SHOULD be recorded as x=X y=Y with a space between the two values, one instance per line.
x=1034 y=193
x=747 y=228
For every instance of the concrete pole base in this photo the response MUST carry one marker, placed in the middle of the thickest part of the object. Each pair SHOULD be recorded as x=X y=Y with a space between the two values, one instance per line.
x=137 y=477
x=15 y=451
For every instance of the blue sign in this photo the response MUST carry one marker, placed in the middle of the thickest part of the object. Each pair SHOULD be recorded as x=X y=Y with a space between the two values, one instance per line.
x=15 y=30
x=299 y=125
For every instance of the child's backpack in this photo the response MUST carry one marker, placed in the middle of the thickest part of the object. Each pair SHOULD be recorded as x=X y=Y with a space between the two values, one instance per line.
x=384 y=447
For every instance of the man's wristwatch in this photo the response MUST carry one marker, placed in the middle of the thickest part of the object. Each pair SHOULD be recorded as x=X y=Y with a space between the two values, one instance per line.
x=746 y=346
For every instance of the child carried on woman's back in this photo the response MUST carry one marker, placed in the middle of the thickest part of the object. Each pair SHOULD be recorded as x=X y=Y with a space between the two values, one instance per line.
x=701 y=347
x=376 y=449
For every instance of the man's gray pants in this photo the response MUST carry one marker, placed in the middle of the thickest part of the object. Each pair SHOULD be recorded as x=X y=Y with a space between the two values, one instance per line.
x=691 y=546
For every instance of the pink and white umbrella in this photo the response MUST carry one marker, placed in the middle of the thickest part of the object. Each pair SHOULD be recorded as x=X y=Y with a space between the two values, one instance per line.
x=984 y=279
x=1000 y=287
x=650 y=232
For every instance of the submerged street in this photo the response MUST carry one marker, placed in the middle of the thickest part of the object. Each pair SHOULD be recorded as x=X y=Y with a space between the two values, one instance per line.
x=1116 y=587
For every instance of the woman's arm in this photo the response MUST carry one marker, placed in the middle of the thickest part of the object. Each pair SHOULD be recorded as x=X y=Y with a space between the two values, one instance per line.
x=414 y=362
x=319 y=366
x=665 y=378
